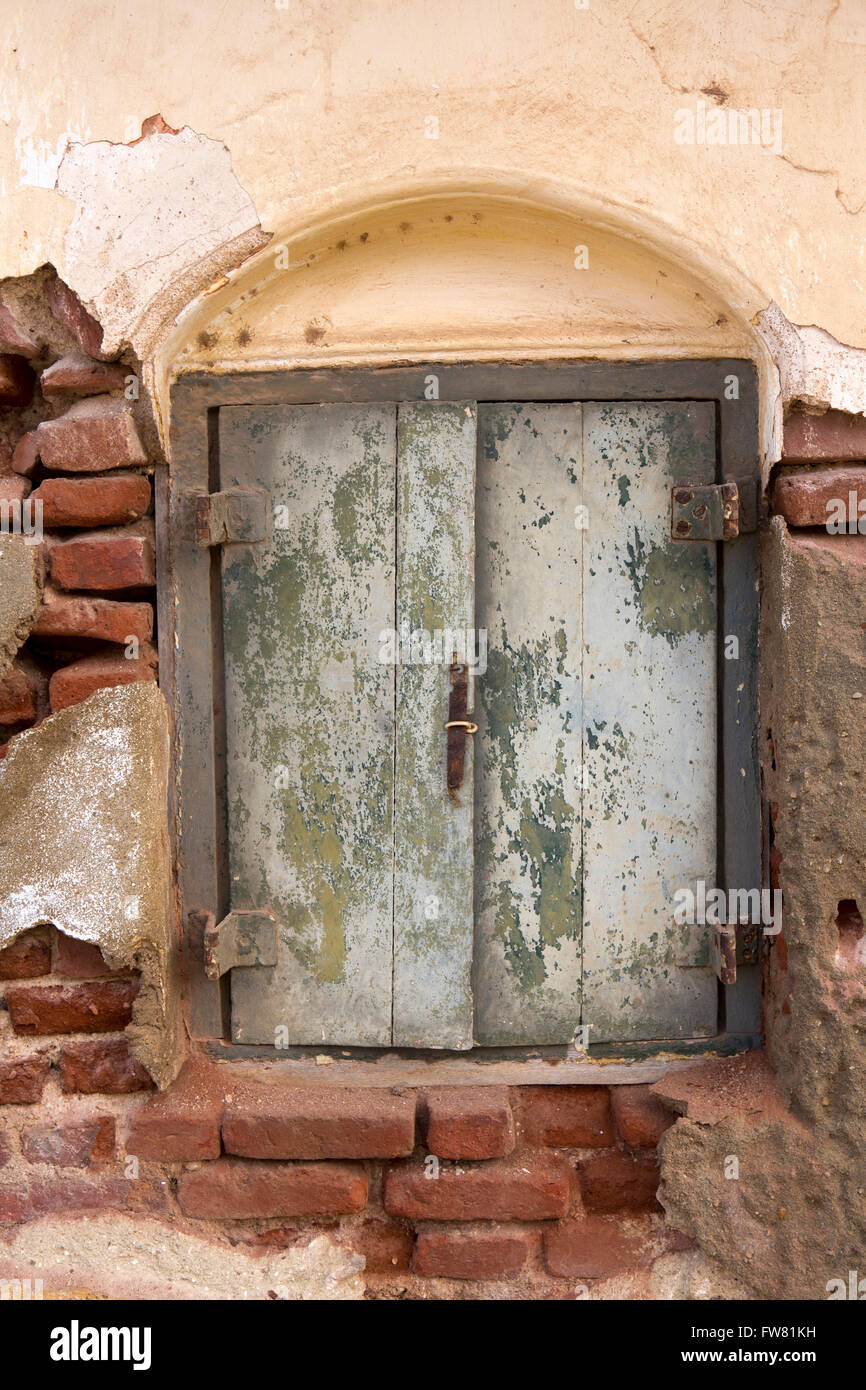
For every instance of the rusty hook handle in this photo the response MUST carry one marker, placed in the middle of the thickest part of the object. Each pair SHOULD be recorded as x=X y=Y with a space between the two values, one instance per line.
x=458 y=726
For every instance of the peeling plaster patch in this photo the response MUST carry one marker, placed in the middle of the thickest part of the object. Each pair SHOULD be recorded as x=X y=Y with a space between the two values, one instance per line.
x=814 y=369
x=165 y=211
x=19 y=595
x=141 y=1258
x=683 y=1275
x=84 y=844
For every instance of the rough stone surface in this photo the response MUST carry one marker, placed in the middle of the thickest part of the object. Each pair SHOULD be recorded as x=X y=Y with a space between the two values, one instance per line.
x=138 y=1258
x=108 y=620
x=101 y=1066
x=107 y=561
x=589 y=1248
x=469 y=1255
x=308 y=1122
x=805 y=499
x=16 y=380
x=68 y=309
x=22 y=1080
x=103 y=501
x=641 y=1119
x=17 y=696
x=93 y=436
x=535 y=1189
x=565 y=1116
x=617 y=1182
x=79 y=375
x=83 y=844
x=796 y=1215
x=236 y=1189
x=468 y=1122
x=73 y=684
x=26 y=958
x=19 y=595
x=101 y=1006
x=14 y=338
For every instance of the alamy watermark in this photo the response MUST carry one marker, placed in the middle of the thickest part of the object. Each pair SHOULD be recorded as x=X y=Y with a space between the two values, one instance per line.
x=716 y=907
x=720 y=125
x=21 y=518
x=419 y=647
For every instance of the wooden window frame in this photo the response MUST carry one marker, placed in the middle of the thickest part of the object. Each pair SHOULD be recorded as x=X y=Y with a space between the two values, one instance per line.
x=190 y=650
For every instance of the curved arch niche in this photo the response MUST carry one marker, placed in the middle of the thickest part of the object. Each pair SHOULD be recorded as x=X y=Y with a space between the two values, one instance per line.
x=456 y=277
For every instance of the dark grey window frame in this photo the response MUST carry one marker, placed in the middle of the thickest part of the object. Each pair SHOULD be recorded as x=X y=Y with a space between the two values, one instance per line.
x=190 y=639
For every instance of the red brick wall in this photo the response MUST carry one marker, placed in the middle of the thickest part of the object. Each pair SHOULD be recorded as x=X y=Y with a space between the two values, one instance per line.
x=70 y=442
x=551 y=1186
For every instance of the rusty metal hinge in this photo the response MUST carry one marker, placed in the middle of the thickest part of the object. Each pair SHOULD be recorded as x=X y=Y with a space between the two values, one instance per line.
x=240 y=515
x=241 y=938
x=724 y=947
x=705 y=511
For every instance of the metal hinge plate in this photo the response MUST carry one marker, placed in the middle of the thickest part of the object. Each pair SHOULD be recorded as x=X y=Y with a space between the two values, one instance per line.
x=705 y=511
x=238 y=516
x=241 y=938
x=724 y=951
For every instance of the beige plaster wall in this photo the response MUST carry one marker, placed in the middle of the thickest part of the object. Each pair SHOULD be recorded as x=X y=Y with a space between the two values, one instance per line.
x=326 y=106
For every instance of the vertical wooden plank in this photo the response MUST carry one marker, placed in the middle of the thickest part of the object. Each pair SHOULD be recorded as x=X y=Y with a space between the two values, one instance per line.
x=187 y=676
x=650 y=709
x=310 y=718
x=527 y=968
x=433 y=835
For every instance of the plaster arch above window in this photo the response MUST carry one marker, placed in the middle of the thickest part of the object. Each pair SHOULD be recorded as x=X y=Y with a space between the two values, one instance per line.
x=467 y=275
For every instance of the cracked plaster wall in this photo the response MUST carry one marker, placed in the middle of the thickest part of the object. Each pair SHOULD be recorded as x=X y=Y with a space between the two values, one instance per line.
x=288 y=117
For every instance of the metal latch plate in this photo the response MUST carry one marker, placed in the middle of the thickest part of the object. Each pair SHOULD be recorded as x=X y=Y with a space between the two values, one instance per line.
x=241 y=938
x=705 y=511
x=240 y=515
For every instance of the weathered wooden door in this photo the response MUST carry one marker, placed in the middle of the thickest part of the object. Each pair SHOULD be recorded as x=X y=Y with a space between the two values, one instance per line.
x=540 y=896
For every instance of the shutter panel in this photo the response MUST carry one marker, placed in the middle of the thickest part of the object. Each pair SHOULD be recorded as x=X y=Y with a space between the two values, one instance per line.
x=649 y=724
x=309 y=714
x=433 y=835
x=528 y=834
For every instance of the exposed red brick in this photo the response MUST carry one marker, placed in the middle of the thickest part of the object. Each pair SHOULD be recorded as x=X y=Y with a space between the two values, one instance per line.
x=154 y=125
x=78 y=375
x=616 y=1182
x=238 y=1189
x=640 y=1117
x=22 y=1079
x=74 y=683
x=835 y=435
x=108 y=620
x=40 y=1197
x=385 y=1245
x=14 y=338
x=568 y=1117
x=105 y=560
x=17 y=696
x=589 y=1247
x=70 y=1146
x=102 y=1007
x=808 y=499
x=25 y=455
x=468 y=1122
x=101 y=1066
x=25 y=959
x=319 y=1122
x=17 y=380
x=94 y=435
x=106 y=501
x=467 y=1255
x=69 y=311
x=534 y=1189
x=173 y=1137
x=14 y=488
x=79 y=960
